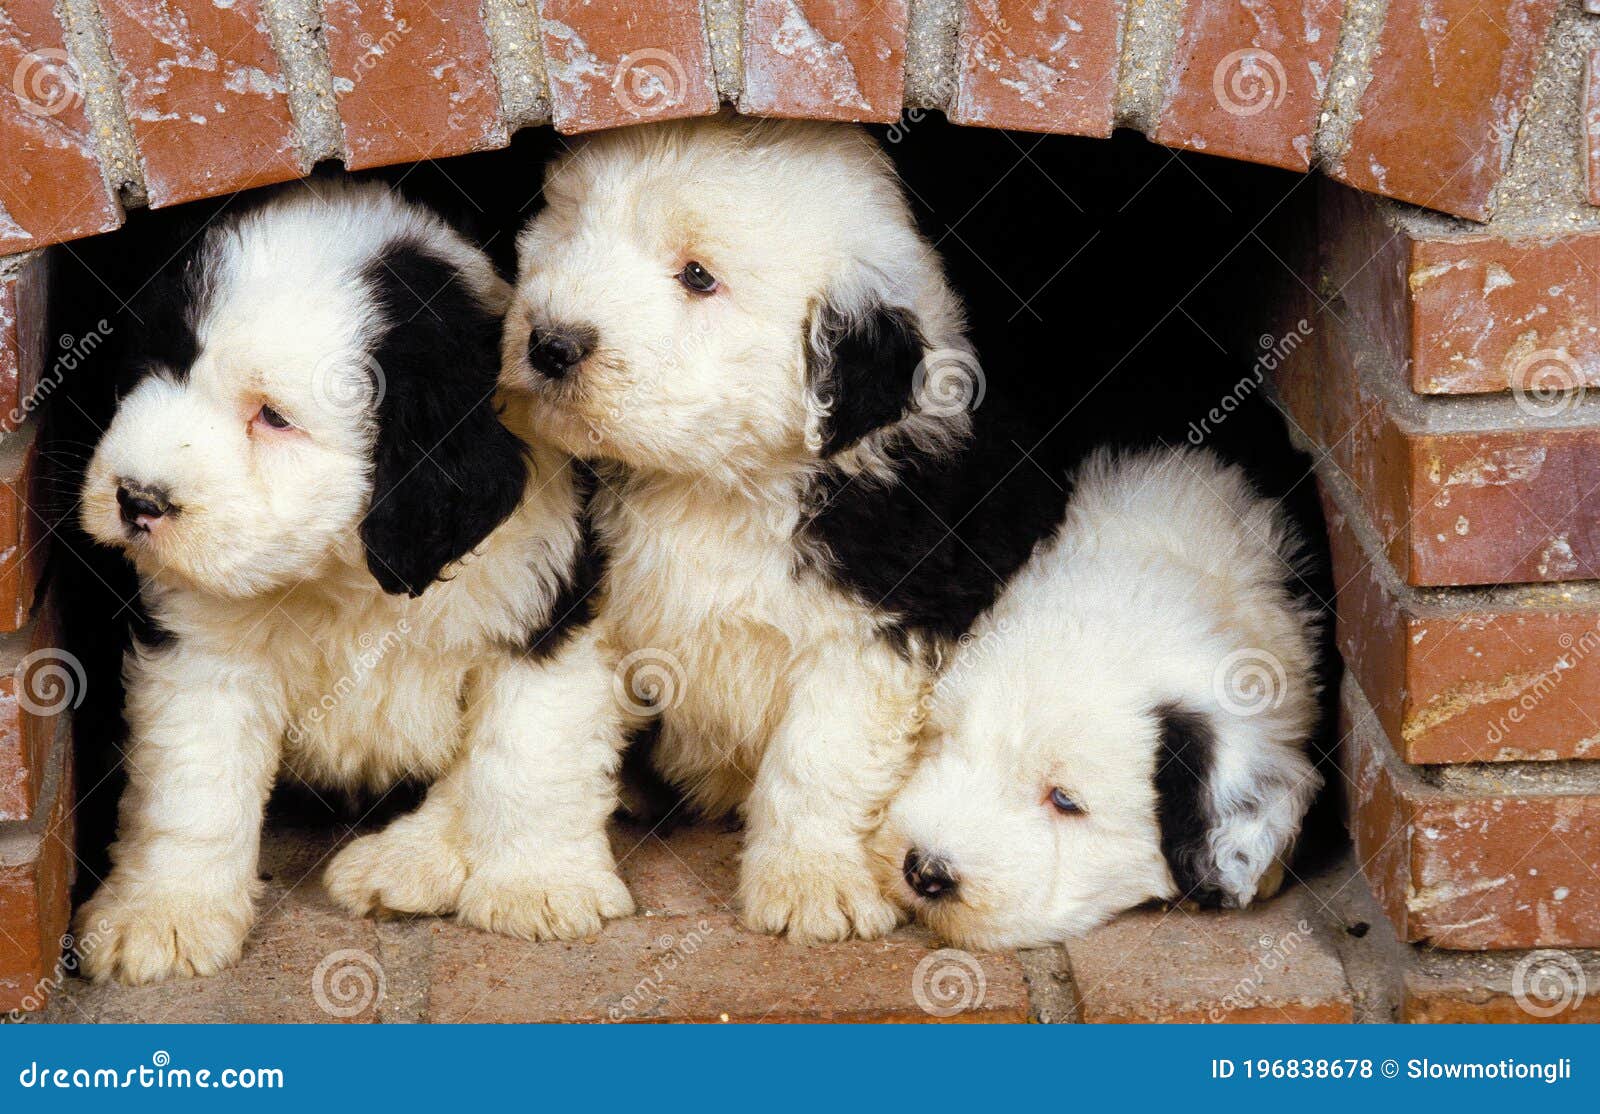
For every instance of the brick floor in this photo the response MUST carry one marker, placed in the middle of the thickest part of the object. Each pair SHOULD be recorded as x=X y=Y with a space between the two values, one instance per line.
x=1319 y=952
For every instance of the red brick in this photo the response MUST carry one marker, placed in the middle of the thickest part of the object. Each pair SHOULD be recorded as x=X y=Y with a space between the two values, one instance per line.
x=1500 y=676
x=36 y=871
x=611 y=63
x=1248 y=80
x=824 y=59
x=1272 y=963
x=204 y=94
x=414 y=80
x=685 y=958
x=51 y=187
x=1548 y=986
x=1438 y=118
x=23 y=325
x=22 y=533
x=1038 y=67
x=1591 y=125
x=1470 y=858
x=31 y=700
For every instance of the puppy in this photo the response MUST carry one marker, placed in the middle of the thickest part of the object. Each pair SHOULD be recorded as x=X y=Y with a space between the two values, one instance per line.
x=741 y=321
x=354 y=573
x=1126 y=723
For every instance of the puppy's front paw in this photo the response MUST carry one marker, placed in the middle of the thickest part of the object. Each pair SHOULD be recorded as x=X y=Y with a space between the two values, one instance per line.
x=552 y=903
x=813 y=899
x=138 y=934
x=406 y=868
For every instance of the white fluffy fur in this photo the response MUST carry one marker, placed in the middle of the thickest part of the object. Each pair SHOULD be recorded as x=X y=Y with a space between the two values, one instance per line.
x=288 y=659
x=793 y=708
x=1166 y=584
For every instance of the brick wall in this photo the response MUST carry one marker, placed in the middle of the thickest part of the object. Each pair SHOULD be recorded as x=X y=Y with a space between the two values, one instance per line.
x=1445 y=383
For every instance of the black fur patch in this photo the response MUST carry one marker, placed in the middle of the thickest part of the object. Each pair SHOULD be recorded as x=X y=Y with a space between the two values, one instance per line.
x=933 y=550
x=167 y=315
x=445 y=471
x=1183 y=767
x=575 y=603
x=866 y=375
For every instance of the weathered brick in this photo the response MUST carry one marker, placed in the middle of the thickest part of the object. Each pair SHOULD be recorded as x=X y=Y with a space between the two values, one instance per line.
x=824 y=59
x=1439 y=116
x=32 y=698
x=23 y=327
x=36 y=871
x=1038 y=67
x=1547 y=986
x=51 y=187
x=204 y=94
x=414 y=80
x=1248 y=79
x=1271 y=963
x=685 y=958
x=612 y=63
x=1464 y=676
x=1478 y=857
x=22 y=532
x=1466 y=313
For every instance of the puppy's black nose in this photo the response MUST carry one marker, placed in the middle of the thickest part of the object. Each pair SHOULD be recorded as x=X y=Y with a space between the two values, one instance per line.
x=554 y=352
x=929 y=875
x=139 y=504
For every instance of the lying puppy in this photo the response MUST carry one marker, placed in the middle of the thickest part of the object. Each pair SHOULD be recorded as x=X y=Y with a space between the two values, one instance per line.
x=354 y=573
x=741 y=320
x=1127 y=723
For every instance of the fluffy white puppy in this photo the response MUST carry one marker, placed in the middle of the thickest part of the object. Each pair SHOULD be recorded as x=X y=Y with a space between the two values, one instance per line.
x=353 y=572
x=741 y=320
x=1127 y=723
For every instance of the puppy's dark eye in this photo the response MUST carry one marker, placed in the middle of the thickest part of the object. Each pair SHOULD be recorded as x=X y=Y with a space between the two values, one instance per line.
x=269 y=417
x=695 y=277
x=1064 y=803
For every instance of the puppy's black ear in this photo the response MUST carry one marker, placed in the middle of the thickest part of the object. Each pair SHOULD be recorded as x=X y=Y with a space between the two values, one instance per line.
x=1228 y=821
x=445 y=471
x=862 y=368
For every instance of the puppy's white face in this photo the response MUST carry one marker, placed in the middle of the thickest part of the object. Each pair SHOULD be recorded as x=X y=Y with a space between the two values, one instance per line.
x=301 y=386
x=668 y=293
x=1032 y=818
x=244 y=468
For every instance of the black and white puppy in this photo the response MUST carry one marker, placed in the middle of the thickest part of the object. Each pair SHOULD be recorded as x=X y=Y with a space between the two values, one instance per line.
x=1128 y=722
x=355 y=573
x=742 y=321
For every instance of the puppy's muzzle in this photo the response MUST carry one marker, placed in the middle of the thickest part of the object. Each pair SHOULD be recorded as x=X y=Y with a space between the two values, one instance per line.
x=142 y=505
x=554 y=352
x=929 y=876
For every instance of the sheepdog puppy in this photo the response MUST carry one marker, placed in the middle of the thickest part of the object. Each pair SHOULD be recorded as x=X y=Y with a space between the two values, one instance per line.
x=1127 y=723
x=353 y=572
x=740 y=321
